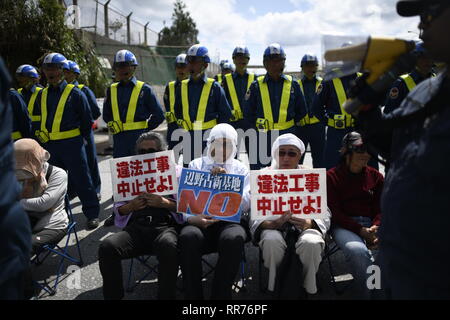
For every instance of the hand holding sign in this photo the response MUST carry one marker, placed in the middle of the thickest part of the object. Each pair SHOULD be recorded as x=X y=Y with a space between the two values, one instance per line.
x=202 y=221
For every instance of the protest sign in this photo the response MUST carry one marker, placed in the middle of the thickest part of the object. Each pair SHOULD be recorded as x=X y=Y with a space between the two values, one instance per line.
x=303 y=192
x=151 y=173
x=218 y=195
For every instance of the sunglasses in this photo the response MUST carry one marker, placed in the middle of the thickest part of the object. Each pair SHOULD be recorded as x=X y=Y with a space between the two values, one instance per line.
x=145 y=151
x=291 y=154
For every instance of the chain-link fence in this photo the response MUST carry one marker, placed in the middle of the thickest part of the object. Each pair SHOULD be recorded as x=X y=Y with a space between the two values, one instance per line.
x=98 y=16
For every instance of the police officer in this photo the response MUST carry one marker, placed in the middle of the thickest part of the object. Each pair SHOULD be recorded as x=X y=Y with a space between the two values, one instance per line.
x=311 y=130
x=414 y=255
x=65 y=125
x=71 y=74
x=328 y=108
x=182 y=73
x=21 y=119
x=28 y=81
x=131 y=107
x=219 y=77
x=273 y=105
x=15 y=231
x=407 y=82
x=200 y=103
x=236 y=84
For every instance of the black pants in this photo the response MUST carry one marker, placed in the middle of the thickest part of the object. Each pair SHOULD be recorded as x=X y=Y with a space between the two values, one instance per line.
x=135 y=240
x=46 y=236
x=228 y=240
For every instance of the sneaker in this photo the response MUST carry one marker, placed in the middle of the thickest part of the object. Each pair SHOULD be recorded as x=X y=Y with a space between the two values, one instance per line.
x=93 y=224
x=109 y=221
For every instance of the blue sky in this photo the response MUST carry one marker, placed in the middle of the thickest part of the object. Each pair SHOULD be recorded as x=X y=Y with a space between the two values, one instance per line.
x=298 y=25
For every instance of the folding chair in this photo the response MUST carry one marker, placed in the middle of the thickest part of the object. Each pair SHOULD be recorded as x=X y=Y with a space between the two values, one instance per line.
x=330 y=249
x=239 y=285
x=62 y=252
x=144 y=261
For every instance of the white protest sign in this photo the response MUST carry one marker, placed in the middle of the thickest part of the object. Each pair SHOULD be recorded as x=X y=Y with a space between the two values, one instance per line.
x=151 y=173
x=303 y=192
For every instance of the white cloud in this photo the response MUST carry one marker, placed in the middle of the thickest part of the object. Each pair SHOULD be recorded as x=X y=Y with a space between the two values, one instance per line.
x=252 y=10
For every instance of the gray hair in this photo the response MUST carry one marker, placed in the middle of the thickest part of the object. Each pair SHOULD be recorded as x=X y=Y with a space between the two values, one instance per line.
x=153 y=136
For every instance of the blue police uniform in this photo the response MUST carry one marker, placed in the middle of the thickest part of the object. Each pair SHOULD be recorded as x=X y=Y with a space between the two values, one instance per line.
x=217 y=110
x=27 y=95
x=327 y=108
x=399 y=91
x=148 y=109
x=172 y=124
x=21 y=120
x=241 y=86
x=254 y=110
x=91 y=150
x=69 y=153
x=310 y=131
x=15 y=244
x=414 y=254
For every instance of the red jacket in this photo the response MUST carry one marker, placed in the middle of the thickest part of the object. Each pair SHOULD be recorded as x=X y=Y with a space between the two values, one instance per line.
x=353 y=195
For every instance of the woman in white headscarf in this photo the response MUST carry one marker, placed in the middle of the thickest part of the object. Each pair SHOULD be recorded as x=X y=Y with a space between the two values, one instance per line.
x=286 y=153
x=203 y=234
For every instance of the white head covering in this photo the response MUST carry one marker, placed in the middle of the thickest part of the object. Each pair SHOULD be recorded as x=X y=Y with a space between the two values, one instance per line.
x=287 y=139
x=222 y=131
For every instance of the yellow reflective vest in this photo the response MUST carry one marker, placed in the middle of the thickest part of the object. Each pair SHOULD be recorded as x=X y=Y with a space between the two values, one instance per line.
x=237 y=110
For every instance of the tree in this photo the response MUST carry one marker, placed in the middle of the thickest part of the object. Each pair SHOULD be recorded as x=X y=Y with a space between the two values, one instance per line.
x=183 y=31
x=30 y=29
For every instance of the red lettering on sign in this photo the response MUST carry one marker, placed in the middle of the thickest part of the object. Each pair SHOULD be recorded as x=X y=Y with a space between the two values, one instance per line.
x=195 y=204
x=218 y=200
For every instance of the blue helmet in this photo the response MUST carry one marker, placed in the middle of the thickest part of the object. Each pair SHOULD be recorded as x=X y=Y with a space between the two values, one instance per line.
x=241 y=50
x=72 y=66
x=308 y=58
x=222 y=62
x=125 y=57
x=419 y=50
x=274 y=49
x=55 y=59
x=27 y=70
x=198 y=50
x=228 y=66
x=181 y=59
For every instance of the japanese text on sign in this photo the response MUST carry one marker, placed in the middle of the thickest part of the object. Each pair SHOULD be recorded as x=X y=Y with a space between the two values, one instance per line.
x=150 y=173
x=302 y=192
x=215 y=195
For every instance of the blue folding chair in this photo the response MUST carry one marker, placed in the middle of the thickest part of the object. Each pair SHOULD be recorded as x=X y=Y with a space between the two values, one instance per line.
x=62 y=252
x=144 y=261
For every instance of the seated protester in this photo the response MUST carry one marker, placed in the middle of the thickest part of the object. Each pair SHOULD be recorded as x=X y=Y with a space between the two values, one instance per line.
x=203 y=234
x=43 y=190
x=150 y=226
x=287 y=151
x=353 y=192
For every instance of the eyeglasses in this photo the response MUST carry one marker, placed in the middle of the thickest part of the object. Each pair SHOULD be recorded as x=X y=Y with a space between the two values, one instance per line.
x=291 y=154
x=145 y=151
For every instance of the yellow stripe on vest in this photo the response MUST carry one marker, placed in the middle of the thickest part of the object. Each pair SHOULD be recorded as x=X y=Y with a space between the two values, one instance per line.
x=199 y=123
x=409 y=81
x=56 y=133
x=267 y=107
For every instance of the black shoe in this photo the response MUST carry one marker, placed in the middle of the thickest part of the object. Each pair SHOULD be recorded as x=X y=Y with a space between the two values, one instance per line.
x=109 y=221
x=93 y=224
